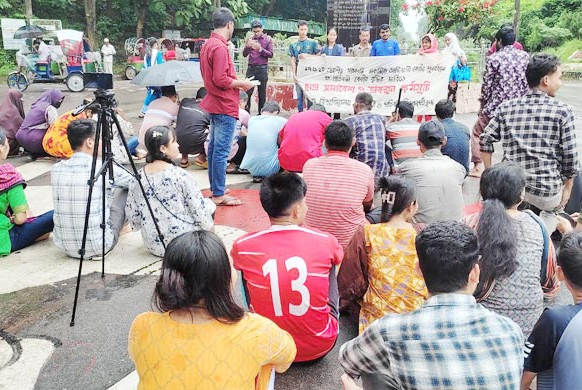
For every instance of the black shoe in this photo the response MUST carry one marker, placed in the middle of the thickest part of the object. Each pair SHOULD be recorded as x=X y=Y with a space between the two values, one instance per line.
x=257 y=179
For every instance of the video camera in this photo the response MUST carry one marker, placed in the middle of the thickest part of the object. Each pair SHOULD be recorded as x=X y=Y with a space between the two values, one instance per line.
x=104 y=96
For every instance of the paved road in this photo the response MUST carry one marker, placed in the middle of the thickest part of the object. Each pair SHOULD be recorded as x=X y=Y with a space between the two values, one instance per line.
x=40 y=350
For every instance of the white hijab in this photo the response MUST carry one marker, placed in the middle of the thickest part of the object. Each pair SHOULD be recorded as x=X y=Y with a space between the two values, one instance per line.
x=454 y=47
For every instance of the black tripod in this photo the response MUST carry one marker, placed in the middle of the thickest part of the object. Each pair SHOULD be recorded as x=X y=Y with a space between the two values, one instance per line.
x=104 y=104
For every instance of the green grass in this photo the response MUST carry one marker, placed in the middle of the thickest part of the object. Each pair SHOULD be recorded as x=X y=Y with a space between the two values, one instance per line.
x=566 y=50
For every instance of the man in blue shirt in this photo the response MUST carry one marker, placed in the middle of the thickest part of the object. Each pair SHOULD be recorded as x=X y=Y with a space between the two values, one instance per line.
x=458 y=136
x=298 y=50
x=385 y=46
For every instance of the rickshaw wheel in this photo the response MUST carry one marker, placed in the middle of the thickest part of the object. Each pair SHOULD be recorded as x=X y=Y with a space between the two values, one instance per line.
x=17 y=80
x=75 y=82
x=130 y=72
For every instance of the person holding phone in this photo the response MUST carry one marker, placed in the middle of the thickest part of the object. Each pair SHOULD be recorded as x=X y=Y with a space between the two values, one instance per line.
x=259 y=48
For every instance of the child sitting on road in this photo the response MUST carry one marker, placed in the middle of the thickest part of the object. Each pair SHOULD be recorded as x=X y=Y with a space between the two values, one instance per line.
x=288 y=270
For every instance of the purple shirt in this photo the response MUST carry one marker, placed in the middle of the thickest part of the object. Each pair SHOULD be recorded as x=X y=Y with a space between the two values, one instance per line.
x=504 y=78
x=260 y=57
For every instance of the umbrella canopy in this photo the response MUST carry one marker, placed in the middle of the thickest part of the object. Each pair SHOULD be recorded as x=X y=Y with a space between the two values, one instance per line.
x=30 y=31
x=169 y=73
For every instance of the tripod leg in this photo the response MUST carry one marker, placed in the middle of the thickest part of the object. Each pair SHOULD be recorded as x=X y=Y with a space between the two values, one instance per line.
x=91 y=183
x=137 y=177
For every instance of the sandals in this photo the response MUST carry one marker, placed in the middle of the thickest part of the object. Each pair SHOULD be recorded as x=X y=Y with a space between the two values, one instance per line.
x=184 y=164
x=226 y=201
x=237 y=171
x=201 y=164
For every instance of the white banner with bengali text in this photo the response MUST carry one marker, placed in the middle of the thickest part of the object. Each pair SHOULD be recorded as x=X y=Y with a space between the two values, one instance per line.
x=335 y=81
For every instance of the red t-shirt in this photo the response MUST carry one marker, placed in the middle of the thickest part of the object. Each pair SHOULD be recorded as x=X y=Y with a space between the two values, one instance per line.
x=218 y=73
x=286 y=270
x=301 y=139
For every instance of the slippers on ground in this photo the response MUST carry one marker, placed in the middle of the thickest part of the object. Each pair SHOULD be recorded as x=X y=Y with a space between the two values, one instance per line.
x=226 y=201
x=237 y=171
x=184 y=164
x=201 y=164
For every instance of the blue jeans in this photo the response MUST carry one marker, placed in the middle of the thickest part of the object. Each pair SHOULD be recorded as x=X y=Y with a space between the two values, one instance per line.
x=26 y=234
x=132 y=143
x=221 y=133
x=300 y=98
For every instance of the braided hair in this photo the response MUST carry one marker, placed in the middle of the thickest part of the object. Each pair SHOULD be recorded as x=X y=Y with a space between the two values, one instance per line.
x=156 y=137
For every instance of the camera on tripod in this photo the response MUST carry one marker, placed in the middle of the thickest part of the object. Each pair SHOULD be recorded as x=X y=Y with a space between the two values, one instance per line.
x=104 y=96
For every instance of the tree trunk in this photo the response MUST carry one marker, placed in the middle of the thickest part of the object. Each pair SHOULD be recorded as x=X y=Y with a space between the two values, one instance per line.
x=141 y=19
x=110 y=12
x=271 y=6
x=516 y=14
x=217 y=4
x=28 y=10
x=90 y=16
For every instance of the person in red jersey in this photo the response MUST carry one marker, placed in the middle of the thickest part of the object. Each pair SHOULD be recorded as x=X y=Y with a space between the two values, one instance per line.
x=288 y=271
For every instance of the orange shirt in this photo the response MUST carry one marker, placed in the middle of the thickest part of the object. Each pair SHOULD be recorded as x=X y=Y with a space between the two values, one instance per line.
x=55 y=141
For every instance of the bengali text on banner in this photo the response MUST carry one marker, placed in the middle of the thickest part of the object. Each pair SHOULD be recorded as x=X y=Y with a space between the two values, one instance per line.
x=335 y=81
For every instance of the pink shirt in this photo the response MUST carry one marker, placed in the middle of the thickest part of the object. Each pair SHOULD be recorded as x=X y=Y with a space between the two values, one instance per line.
x=286 y=270
x=337 y=187
x=301 y=139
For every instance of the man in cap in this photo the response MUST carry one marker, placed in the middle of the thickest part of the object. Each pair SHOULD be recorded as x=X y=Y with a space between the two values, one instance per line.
x=438 y=178
x=108 y=52
x=259 y=48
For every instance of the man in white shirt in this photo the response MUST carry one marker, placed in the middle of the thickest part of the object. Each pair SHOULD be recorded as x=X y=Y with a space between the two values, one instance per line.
x=108 y=52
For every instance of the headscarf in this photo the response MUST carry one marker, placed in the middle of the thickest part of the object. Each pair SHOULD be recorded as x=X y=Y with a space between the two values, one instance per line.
x=434 y=45
x=37 y=113
x=11 y=112
x=454 y=48
x=9 y=177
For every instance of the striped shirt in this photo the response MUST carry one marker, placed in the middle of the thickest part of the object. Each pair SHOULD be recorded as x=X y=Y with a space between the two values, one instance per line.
x=337 y=187
x=403 y=135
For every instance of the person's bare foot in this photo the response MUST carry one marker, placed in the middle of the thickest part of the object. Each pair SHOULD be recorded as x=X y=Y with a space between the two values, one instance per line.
x=226 y=201
x=477 y=170
x=125 y=229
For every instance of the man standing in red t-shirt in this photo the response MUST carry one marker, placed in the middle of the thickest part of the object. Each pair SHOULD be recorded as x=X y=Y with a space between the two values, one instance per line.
x=289 y=271
x=221 y=102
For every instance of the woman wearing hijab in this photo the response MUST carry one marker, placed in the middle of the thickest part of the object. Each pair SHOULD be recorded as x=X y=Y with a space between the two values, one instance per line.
x=17 y=229
x=11 y=117
x=428 y=45
x=453 y=47
x=42 y=114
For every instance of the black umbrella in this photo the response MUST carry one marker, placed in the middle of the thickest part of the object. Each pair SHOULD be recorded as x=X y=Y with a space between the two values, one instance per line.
x=30 y=31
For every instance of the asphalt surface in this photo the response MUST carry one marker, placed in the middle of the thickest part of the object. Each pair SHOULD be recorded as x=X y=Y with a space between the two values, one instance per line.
x=92 y=354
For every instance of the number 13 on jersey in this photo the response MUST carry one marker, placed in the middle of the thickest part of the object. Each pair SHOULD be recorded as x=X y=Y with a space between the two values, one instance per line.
x=297 y=285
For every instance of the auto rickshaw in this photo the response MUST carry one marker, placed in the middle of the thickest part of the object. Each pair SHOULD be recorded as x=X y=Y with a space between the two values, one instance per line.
x=135 y=49
x=62 y=62
x=192 y=47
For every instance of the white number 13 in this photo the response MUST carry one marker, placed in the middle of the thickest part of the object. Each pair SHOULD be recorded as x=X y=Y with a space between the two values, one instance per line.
x=298 y=285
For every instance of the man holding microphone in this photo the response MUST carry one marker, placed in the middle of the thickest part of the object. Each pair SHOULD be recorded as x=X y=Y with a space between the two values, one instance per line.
x=259 y=48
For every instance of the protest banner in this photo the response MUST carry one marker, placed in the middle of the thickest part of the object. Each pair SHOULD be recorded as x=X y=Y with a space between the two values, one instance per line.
x=335 y=81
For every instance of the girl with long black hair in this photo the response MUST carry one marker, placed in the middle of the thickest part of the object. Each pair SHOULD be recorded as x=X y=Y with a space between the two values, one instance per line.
x=517 y=257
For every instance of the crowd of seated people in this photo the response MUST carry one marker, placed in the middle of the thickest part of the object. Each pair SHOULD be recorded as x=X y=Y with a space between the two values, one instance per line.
x=442 y=299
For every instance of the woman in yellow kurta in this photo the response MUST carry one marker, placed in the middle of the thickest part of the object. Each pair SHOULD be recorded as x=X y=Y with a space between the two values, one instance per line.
x=202 y=339
x=380 y=269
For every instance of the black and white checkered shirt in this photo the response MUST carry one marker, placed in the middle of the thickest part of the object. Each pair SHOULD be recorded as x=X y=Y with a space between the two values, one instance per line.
x=537 y=132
